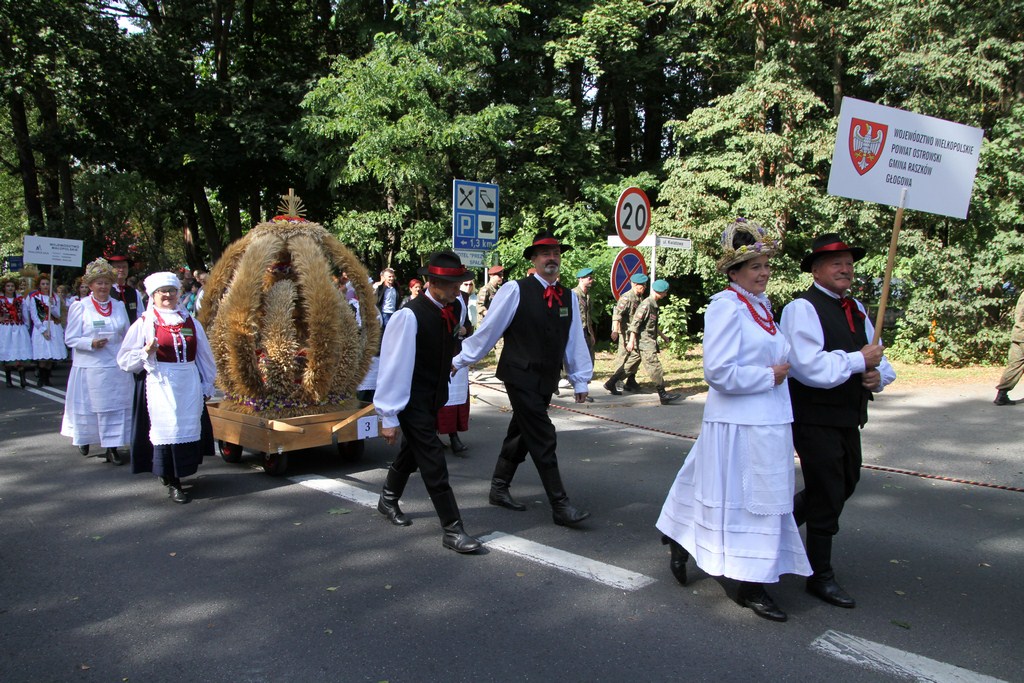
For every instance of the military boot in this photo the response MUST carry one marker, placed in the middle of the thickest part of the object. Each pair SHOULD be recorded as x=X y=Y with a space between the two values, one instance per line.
x=666 y=397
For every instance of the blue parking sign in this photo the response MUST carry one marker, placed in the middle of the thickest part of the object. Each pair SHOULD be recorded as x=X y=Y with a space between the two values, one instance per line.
x=474 y=215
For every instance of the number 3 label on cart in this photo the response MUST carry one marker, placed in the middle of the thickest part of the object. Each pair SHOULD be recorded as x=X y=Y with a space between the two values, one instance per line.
x=366 y=427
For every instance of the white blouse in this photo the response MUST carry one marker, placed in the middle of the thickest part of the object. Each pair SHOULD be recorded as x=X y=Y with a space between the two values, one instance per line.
x=738 y=355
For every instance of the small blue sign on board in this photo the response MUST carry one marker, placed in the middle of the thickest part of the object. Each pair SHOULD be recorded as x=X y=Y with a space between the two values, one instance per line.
x=12 y=263
x=474 y=216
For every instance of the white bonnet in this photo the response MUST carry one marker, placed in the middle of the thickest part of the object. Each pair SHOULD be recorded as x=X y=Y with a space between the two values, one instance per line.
x=158 y=280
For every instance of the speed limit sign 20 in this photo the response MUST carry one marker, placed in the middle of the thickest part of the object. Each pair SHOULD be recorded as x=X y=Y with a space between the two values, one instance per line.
x=633 y=216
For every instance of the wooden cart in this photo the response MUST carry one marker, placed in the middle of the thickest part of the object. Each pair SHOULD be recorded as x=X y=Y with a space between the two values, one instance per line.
x=273 y=439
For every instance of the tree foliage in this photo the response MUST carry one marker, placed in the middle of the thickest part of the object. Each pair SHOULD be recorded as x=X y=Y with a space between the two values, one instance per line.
x=171 y=128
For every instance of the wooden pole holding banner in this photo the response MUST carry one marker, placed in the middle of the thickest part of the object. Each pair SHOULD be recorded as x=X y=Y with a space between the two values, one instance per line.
x=884 y=300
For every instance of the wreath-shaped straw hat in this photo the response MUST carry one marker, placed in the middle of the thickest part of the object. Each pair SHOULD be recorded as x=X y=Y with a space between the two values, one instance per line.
x=765 y=244
x=10 y=277
x=97 y=269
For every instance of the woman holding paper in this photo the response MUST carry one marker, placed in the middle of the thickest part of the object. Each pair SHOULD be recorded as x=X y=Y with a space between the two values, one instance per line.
x=98 y=405
x=731 y=505
x=171 y=429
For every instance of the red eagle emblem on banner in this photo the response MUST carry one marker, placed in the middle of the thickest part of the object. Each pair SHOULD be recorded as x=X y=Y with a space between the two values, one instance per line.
x=867 y=140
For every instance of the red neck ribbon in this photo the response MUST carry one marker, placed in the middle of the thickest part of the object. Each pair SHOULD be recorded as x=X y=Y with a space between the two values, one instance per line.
x=851 y=309
x=551 y=295
x=449 y=318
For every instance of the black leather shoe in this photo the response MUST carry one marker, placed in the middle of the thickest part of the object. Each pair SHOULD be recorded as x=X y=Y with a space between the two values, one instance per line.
x=455 y=538
x=178 y=495
x=114 y=457
x=612 y=389
x=565 y=513
x=391 y=510
x=830 y=591
x=83 y=450
x=677 y=561
x=503 y=498
x=754 y=596
x=631 y=385
x=457 y=445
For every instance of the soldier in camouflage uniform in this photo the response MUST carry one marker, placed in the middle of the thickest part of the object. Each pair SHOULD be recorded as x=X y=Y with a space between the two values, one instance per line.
x=496 y=275
x=621 y=317
x=584 y=281
x=644 y=335
x=487 y=292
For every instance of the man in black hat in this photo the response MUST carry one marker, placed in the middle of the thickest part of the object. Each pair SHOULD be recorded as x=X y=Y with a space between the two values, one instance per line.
x=539 y=321
x=134 y=304
x=412 y=386
x=833 y=371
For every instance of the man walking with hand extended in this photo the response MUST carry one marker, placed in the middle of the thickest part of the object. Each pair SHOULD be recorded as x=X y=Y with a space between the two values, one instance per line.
x=539 y=320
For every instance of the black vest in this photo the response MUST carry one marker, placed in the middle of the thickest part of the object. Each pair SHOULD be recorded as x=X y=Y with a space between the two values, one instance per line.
x=434 y=350
x=130 y=299
x=847 y=404
x=536 y=338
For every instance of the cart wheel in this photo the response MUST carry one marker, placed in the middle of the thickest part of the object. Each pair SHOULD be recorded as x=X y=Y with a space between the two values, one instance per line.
x=351 y=451
x=231 y=452
x=275 y=464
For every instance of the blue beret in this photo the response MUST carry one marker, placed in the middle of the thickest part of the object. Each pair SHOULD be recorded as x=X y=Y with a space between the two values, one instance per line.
x=639 y=279
x=584 y=272
x=660 y=286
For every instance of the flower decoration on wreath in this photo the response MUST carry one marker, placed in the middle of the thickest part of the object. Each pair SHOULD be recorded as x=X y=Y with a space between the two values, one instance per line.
x=764 y=243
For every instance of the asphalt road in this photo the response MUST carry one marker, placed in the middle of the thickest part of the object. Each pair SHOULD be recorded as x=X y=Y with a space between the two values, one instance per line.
x=274 y=579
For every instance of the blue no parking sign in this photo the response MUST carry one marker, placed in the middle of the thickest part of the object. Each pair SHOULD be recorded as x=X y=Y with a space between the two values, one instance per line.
x=627 y=263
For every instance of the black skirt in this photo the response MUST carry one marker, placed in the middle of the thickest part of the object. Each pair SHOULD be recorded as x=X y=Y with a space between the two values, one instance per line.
x=170 y=460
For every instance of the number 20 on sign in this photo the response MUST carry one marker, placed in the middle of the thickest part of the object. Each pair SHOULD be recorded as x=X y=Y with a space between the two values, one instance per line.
x=633 y=216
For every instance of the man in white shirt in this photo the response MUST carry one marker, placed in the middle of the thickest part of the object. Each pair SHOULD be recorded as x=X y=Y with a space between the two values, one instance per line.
x=539 y=321
x=412 y=385
x=834 y=369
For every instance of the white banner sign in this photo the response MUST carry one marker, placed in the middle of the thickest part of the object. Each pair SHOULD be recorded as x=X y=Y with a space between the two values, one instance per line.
x=53 y=251
x=880 y=151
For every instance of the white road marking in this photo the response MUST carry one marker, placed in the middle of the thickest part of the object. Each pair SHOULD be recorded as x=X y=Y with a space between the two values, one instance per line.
x=337 y=488
x=577 y=565
x=561 y=560
x=891 y=661
x=55 y=395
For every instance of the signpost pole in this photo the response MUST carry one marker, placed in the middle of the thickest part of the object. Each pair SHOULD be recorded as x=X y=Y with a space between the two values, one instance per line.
x=884 y=300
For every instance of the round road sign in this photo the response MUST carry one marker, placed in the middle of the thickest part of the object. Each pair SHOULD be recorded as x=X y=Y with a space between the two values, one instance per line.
x=633 y=216
x=627 y=263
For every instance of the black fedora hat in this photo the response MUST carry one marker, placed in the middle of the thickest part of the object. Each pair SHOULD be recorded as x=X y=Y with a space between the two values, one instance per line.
x=829 y=243
x=445 y=265
x=545 y=239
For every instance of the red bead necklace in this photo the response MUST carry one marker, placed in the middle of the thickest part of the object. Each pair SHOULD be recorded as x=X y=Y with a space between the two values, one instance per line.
x=767 y=323
x=105 y=311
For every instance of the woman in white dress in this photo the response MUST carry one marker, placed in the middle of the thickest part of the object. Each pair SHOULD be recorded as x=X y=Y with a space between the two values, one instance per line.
x=98 y=405
x=15 y=345
x=169 y=438
x=45 y=311
x=731 y=506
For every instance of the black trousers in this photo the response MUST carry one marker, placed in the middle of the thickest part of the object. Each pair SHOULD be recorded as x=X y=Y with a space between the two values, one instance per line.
x=530 y=430
x=830 y=459
x=420 y=448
